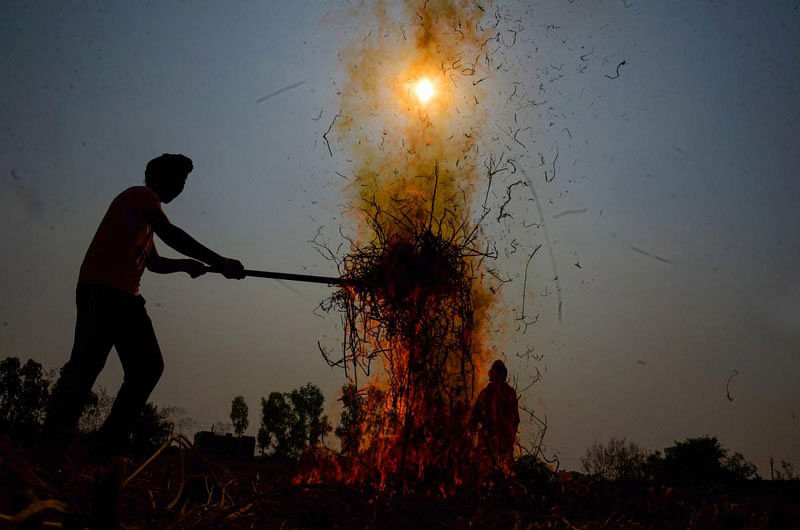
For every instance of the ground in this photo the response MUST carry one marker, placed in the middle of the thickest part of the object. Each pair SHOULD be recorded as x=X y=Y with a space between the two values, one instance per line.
x=182 y=488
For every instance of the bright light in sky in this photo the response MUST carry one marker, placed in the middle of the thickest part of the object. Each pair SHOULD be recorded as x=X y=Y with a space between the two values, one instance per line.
x=424 y=90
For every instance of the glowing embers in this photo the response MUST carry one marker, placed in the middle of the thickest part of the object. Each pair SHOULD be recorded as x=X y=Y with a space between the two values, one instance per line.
x=424 y=90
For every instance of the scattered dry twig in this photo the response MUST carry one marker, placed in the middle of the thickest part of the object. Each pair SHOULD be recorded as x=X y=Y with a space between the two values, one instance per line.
x=617 y=74
x=325 y=136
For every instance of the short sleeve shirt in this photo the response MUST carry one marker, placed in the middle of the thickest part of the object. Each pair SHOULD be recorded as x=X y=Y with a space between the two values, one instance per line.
x=123 y=242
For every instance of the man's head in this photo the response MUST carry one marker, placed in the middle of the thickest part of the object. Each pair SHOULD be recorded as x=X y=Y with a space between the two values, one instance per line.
x=166 y=175
x=498 y=372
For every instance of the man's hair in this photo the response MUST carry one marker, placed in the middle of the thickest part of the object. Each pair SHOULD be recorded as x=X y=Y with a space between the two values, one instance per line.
x=166 y=167
x=500 y=368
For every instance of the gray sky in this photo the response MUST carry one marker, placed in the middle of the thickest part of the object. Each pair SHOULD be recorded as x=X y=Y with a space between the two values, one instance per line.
x=676 y=192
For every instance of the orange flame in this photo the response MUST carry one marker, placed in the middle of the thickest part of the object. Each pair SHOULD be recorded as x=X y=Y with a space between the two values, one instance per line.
x=411 y=124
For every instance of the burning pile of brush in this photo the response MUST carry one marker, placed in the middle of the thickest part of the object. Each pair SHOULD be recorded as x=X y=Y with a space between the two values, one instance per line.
x=416 y=298
x=409 y=304
x=409 y=288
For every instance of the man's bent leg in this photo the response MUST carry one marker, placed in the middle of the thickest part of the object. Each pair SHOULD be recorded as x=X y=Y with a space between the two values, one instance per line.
x=143 y=364
x=90 y=350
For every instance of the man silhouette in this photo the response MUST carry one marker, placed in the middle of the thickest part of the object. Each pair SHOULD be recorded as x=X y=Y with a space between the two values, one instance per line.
x=111 y=311
x=495 y=416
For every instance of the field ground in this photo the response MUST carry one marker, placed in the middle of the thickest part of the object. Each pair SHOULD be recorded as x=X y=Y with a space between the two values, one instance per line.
x=181 y=488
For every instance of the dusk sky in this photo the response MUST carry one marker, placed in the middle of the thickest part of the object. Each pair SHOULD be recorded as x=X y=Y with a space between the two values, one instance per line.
x=672 y=218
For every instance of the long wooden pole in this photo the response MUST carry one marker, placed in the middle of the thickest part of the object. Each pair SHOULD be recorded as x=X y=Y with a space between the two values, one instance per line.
x=328 y=280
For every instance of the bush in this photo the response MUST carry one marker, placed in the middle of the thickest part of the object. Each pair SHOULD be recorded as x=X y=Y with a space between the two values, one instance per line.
x=616 y=460
x=699 y=461
x=152 y=430
x=786 y=471
x=96 y=411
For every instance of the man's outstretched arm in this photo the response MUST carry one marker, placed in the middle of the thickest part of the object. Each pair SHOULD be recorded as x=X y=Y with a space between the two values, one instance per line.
x=185 y=244
x=161 y=265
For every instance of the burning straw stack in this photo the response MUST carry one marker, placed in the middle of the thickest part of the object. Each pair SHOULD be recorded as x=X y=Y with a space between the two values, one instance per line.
x=409 y=304
x=414 y=302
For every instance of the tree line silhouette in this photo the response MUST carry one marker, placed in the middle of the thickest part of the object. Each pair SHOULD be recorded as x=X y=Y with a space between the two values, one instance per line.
x=701 y=460
x=291 y=422
x=25 y=391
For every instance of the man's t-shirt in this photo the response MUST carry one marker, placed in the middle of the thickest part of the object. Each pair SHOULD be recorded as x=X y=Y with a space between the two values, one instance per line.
x=122 y=244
